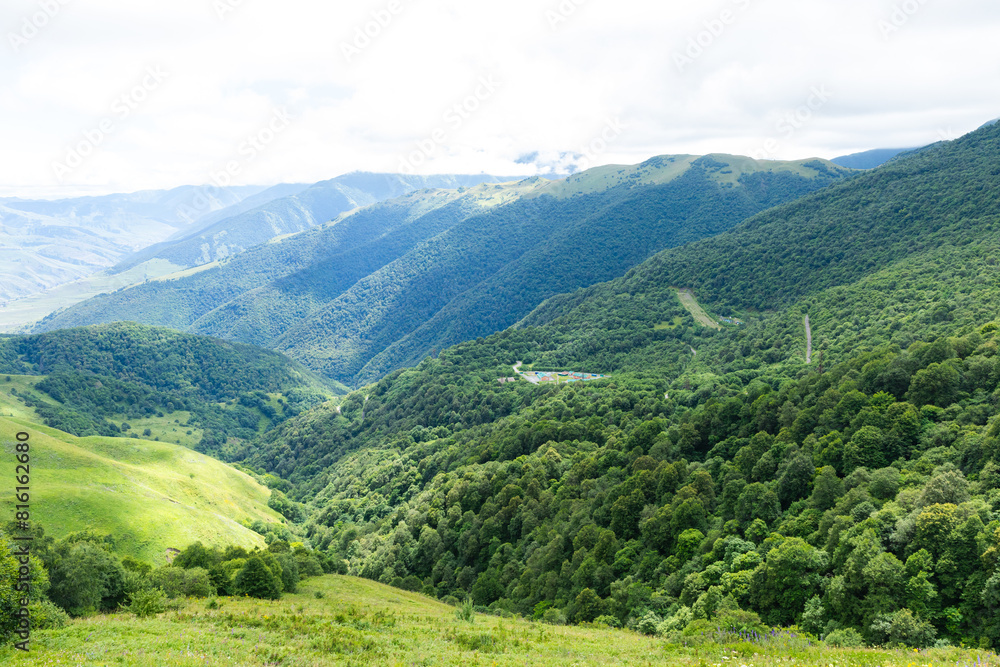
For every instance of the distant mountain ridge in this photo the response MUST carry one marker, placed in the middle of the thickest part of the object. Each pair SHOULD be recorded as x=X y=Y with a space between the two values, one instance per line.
x=296 y=212
x=870 y=159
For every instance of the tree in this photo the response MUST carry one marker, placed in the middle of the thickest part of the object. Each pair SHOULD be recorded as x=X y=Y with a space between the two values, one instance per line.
x=8 y=596
x=588 y=606
x=198 y=555
x=789 y=577
x=757 y=501
x=256 y=581
x=827 y=489
x=795 y=481
x=937 y=384
x=87 y=578
x=866 y=449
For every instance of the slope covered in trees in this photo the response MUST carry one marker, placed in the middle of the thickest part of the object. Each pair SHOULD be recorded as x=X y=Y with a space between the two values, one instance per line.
x=381 y=288
x=857 y=497
x=102 y=380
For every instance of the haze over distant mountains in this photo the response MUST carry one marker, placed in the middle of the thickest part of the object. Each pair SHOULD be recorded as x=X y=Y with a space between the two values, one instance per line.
x=57 y=253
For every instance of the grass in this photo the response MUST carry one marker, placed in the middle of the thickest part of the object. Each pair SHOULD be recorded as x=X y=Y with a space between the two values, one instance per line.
x=12 y=406
x=677 y=321
x=360 y=622
x=693 y=307
x=150 y=495
x=168 y=428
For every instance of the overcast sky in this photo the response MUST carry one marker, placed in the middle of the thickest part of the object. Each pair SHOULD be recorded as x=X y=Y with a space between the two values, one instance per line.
x=118 y=95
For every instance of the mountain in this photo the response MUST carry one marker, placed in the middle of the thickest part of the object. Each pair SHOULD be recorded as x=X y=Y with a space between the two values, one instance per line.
x=898 y=254
x=47 y=243
x=125 y=379
x=53 y=251
x=720 y=468
x=381 y=288
x=296 y=212
x=869 y=159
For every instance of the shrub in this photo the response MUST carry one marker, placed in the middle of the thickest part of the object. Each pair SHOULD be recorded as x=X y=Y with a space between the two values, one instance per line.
x=648 y=624
x=46 y=615
x=902 y=628
x=554 y=617
x=845 y=638
x=256 y=581
x=148 y=602
x=178 y=582
x=466 y=612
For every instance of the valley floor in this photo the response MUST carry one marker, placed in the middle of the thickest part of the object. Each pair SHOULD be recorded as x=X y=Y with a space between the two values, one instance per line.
x=360 y=622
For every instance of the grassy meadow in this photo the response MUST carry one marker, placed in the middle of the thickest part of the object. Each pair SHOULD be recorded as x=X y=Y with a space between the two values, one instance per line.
x=150 y=495
x=337 y=620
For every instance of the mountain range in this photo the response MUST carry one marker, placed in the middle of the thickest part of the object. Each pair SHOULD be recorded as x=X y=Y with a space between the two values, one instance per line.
x=382 y=287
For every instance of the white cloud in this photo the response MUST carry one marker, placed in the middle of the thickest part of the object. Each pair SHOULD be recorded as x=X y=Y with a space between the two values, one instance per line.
x=561 y=80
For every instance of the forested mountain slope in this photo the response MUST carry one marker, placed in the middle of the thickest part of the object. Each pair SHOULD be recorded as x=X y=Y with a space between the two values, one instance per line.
x=257 y=294
x=383 y=287
x=716 y=473
x=901 y=253
x=126 y=379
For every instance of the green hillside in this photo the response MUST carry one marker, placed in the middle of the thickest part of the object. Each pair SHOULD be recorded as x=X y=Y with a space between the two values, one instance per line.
x=383 y=287
x=151 y=496
x=130 y=379
x=255 y=295
x=856 y=497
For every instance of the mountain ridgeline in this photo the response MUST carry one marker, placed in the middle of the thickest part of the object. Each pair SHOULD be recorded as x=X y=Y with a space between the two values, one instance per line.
x=383 y=287
x=303 y=208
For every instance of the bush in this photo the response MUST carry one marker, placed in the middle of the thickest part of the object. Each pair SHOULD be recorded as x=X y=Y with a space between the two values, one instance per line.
x=466 y=612
x=648 y=624
x=608 y=621
x=178 y=582
x=46 y=615
x=845 y=638
x=256 y=581
x=554 y=617
x=148 y=602
x=902 y=628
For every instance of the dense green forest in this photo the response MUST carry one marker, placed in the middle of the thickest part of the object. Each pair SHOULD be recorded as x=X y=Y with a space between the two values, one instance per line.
x=380 y=288
x=717 y=472
x=98 y=378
